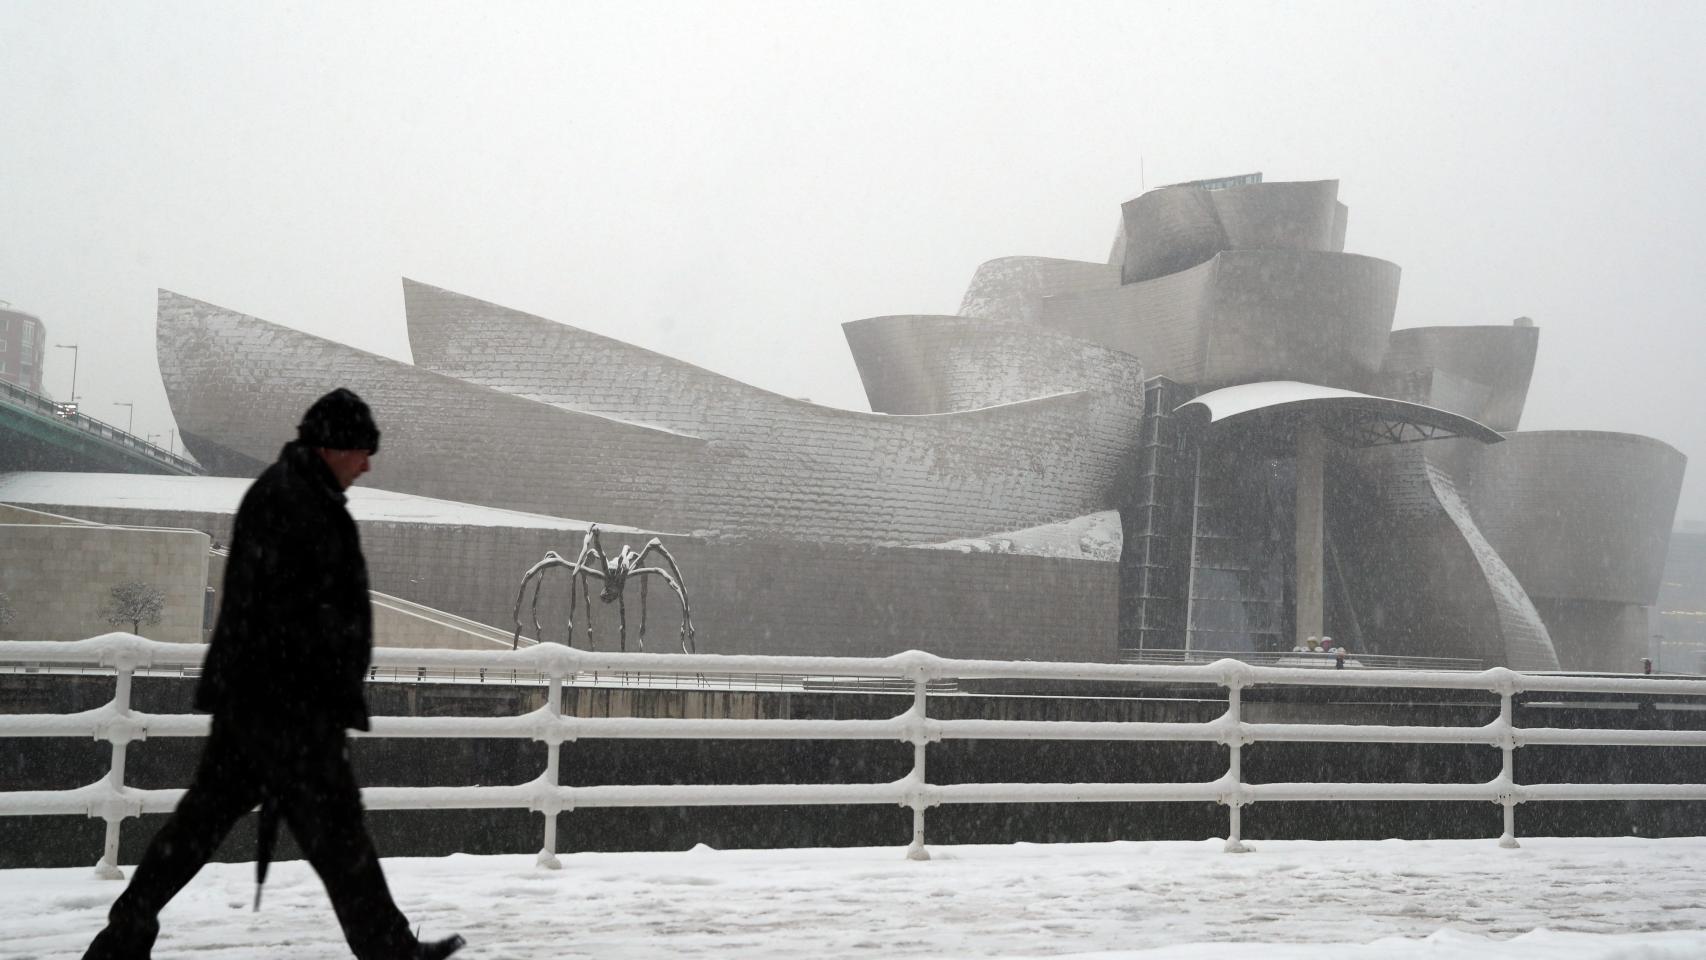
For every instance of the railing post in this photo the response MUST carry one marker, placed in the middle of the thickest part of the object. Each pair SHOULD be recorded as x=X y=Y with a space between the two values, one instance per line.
x=915 y=850
x=1235 y=769
x=107 y=868
x=1507 y=715
x=553 y=750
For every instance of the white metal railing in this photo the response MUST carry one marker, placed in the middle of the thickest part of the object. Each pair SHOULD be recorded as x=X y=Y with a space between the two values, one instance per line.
x=1319 y=659
x=116 y=723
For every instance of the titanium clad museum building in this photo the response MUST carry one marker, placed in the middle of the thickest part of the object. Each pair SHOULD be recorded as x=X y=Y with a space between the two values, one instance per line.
x=1215 y=441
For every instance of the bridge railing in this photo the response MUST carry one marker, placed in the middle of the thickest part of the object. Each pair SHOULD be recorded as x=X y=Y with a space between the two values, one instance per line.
x=46 y=407
x=123 y=654
x=1318 y=659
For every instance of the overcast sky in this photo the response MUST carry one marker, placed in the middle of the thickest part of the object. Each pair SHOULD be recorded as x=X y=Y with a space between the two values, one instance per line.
x=728 y=182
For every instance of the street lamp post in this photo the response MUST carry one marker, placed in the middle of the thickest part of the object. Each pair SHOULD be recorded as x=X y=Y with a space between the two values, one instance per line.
x=131 y=422
x=73 y=348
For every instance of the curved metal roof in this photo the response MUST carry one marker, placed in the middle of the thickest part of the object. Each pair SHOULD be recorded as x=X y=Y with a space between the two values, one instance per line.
x=1355 y=419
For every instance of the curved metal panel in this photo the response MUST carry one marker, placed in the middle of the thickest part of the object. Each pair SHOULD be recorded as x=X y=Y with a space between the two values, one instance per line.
x=1298 y=315
x=1160 y=321
x=1246 y=315
x=1298 y=215
x=1580 y=514
x=1175 y=228
x=1009 y=288
x=777 y=466
x=1597 y=635
x=1169 y=230
x=925 y=364
x=526 y=355
x=1486 y=369
x=240 y=384
x=1421 y=577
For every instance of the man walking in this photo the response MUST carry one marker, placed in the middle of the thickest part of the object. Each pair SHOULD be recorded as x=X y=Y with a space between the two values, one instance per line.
x=284 y=679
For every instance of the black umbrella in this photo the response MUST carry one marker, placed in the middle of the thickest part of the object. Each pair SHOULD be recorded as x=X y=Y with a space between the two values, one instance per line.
x=266 y=831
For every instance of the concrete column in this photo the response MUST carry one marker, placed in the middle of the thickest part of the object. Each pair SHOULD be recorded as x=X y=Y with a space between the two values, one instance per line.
x=1311 y=532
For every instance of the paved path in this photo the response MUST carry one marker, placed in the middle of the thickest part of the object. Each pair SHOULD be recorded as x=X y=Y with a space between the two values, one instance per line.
x=1391 y=900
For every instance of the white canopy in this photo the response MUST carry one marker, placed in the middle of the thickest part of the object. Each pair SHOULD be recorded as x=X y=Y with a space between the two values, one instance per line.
x=1357 y=419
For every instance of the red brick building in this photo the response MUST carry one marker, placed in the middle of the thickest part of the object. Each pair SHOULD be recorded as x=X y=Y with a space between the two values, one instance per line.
x=23 y=339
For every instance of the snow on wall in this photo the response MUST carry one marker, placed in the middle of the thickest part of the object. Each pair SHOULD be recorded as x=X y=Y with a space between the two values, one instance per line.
x=221 y=495
x=1527 y=644
x=1095 y=536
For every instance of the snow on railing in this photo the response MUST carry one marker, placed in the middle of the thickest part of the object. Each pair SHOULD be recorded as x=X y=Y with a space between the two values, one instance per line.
x=116 y=723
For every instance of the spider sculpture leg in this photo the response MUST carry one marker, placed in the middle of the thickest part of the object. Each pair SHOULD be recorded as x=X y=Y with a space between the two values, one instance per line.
x=586 y=600
x=622 y=624
x=677 y=581
x=643 y=582
x=686 y=623
x=539 y=587
x=520 y=596
x=569 y=617
x=589 y=551
x=551 y=559
x=597 y=548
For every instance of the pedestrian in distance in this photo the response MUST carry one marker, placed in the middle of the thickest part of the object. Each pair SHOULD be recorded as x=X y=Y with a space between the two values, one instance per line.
x=284 y=680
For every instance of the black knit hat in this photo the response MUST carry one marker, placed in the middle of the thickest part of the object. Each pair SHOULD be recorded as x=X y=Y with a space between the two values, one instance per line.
x=339 y=421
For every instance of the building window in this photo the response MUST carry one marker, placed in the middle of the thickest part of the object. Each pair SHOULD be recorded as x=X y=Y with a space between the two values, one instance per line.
x=2 y=346
x=29 y=335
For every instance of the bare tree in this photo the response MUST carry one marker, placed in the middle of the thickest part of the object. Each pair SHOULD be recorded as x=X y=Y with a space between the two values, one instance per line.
x=7 y=614
x=135 y=603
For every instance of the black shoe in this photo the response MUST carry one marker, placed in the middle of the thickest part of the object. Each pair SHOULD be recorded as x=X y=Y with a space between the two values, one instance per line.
x=123 y=941
x=439 y=949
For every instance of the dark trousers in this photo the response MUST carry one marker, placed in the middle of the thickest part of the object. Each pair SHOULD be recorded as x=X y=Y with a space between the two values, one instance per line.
x=309 y=776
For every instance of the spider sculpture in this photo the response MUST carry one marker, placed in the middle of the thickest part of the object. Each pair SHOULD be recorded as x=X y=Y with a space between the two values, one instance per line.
x=614 y=573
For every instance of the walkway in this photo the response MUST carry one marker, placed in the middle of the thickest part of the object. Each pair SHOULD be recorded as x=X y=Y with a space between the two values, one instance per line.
x=1391 y=900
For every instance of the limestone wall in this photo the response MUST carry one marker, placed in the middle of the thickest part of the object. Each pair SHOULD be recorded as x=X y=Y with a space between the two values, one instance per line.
x=59 y=578
x=761 y=597
x=13 y=514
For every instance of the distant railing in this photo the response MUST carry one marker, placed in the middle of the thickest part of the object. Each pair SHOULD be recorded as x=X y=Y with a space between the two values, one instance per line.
x=67 y=414
x=1317 y=659
x=125 y=655
x=741 y=681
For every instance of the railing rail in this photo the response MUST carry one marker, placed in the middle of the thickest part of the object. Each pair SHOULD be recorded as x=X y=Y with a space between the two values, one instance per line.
x=125 y=655
x=1319 y=659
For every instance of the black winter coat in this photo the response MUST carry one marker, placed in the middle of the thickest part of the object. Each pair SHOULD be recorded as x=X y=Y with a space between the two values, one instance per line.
x=291 y=648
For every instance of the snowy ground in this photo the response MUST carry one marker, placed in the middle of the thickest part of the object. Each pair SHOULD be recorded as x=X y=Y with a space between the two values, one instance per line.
x=1614 y=899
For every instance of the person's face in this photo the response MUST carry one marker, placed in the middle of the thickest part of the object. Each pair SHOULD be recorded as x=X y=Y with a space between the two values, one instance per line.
x=346 y=465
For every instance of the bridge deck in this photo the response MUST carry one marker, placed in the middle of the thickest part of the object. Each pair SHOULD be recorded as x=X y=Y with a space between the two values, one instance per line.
x=37 y=433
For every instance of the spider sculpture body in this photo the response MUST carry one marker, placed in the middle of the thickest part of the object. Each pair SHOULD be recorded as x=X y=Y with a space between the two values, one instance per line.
x=613 y=574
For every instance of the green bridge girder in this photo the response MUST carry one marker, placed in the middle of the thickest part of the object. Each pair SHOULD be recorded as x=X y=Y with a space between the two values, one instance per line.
x=34 y=435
